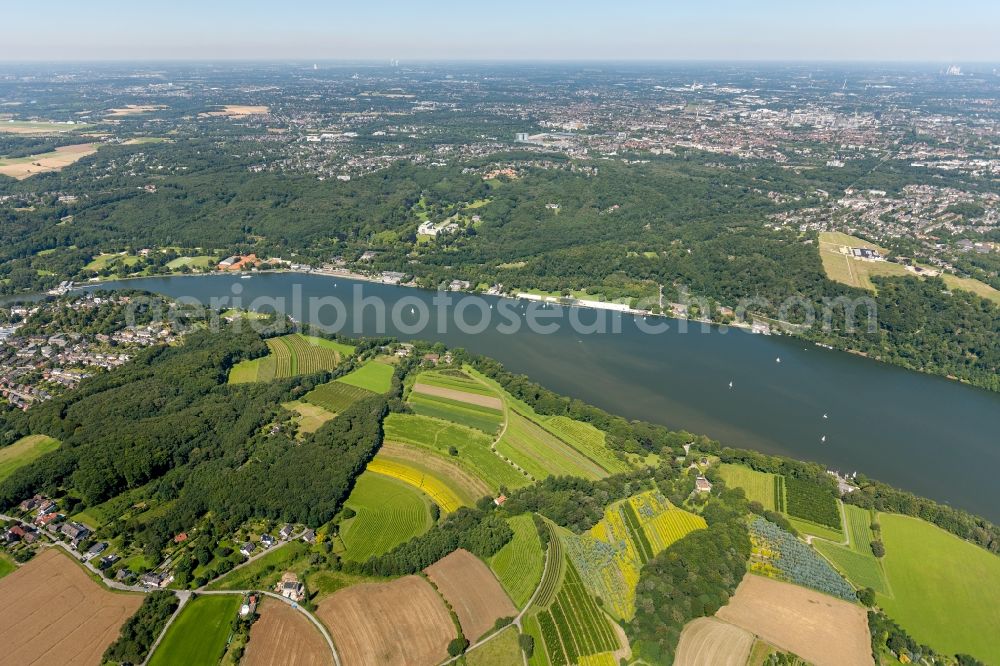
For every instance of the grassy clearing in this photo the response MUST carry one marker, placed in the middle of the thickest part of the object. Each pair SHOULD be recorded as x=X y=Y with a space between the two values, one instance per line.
x=310 y=416
x=199 y=634
x=23 y=451
x=518 y=565
x=759 y=486
x=335 y=396
x=944 y=590
x=971 y=284
x=473 y=447
x=373 y=376
x=389 y=512
x=503 y=650
x=199 y=261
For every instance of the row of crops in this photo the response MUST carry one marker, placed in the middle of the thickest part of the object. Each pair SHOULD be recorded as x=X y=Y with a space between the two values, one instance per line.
x=812 y=501
x=573 y=625
x=586 y=439
x=778 y=554
x=336 y=396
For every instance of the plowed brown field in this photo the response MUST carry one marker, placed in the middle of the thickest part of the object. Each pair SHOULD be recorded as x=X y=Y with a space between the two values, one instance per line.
x=472 y=590
x=402 y=623
x=284 y=636
x=51 y=612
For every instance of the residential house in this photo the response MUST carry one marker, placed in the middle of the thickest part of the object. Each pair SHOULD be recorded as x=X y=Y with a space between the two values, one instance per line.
x=290 y=587
x=286 y=532
x=75 y=531
x=266 y=540
x=154 y=579
x=247 y=549
x=702 y=485
x=96 y=550
x=309 y=536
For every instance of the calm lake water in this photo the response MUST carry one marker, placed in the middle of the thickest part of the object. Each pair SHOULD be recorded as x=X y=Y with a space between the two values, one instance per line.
x=926 y=434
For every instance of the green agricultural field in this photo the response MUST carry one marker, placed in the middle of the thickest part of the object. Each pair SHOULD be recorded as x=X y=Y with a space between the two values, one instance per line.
x=474 y=454
x=759 y=486
x=586 y=439
x=6 y=564
x=532 y=628
x=389 y=512
x=573 y=625
x=463 y=413
x=263 y=572
x=860 y=570
x=198 y=635
x=518 y=565
x=813 y=502
x=336 y=396
x=373 y=376
x=455 y=380
x=944 y=590
x=816 y=530
x=291 y=355
x=541 y=453
x=502 y=650
x=24 y=451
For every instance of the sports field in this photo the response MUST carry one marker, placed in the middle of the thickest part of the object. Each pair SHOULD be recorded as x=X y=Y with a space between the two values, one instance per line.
x=441 y=437
x=944 y=590
x=389 y=512
x=519 y=563
x=768 y=489
x=374 y=376
x=198 y=636
x=24 y=451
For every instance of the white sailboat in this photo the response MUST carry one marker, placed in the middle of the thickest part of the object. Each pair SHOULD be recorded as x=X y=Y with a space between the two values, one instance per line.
x=730 y=385
x=777 y=360
x=823 y=438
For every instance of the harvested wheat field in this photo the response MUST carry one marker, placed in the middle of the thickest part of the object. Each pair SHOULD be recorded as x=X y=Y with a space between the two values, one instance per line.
x=708 y=641
x=401 y=623
x=461 y=396
x=135 y=110
x=472 y=590
x=63 y=156
x=283 y=635
x=51 y=612
x=238 y=111
x=819 y=628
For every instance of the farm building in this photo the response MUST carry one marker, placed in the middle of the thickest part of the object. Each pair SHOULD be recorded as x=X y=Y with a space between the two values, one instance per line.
x=290 y=587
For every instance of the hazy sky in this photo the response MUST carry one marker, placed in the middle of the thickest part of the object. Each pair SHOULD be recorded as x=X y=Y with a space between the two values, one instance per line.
x=953 y=31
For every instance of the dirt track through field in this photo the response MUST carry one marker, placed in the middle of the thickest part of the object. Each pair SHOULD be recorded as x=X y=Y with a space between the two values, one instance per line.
x=51 y=612
x=401 y=623
x=472 y=590
x=460 y=396
x=284 y=636
x=819 y=628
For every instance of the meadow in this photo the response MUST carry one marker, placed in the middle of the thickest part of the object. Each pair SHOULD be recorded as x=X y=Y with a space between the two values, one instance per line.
x=24 y=451
x=518 y=565
x=198 y=635
x=6 y=564
x=503 y=650
x=388 y=513
x=943 y=588
x=373 y=376
x=309 y=417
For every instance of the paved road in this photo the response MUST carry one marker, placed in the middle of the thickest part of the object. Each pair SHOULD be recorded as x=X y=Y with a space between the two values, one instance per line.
x=184 y=596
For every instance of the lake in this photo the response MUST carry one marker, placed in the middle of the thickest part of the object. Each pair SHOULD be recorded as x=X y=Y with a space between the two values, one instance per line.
x=926 y=434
